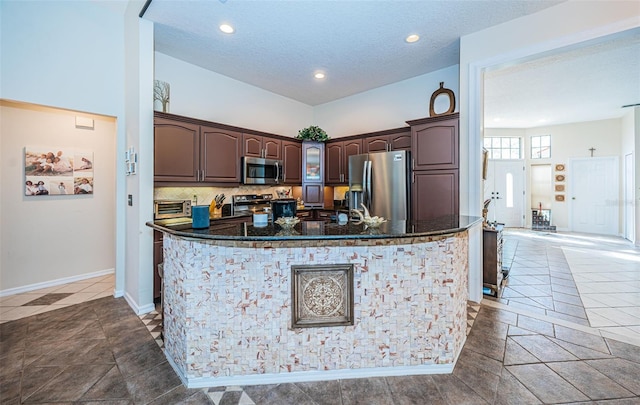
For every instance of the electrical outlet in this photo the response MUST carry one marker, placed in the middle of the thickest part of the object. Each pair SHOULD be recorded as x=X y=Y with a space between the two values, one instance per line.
x=130 y=200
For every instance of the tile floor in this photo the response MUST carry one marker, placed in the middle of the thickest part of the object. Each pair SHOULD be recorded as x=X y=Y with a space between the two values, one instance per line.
x=517 y=351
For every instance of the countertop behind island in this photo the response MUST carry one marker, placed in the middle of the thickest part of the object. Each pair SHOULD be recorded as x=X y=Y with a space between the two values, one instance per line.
x=318 y=230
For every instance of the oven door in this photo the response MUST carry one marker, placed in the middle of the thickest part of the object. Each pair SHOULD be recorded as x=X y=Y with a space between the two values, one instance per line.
x=261 y=171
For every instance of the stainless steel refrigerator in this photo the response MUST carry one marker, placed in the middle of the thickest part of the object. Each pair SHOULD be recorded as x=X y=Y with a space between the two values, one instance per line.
x=381 y=182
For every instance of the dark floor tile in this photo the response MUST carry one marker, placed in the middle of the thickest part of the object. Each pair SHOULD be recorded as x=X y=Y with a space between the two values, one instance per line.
x=481 y=361
x=152 y=383
x=457 y=392
x=131 y=341
x=560 y=281
x=527 y=304
x=48 y=299
x=516 y=354
x=111 y=386
x=546 y=385
x=589 y=381
x=624 y=350
x=146 y=356
x=12 y=362
x=479 y=380
x=581 y=352
x=621 y=371
x=497 y=315
x=543 y=301
x=581 y=338
x=113 y=402
x=535 y=325
x=569 y=290
x=516 y=331
x=185 y=396
x=231 y=398
x=10 y=386
x=485 y=344
x=417 y=389
x=284 y=394
x=510 y=293
x=70 y=384
x=256 y=392
x=533 y=290
x=570 y=318
x=34 y=378
x=369 y=391
x=515 y=279
x=78 y=352
x=542 y=348
x=567 y=298
x=510 y=391
x=569 y=309
x=489 y=327
x=321 y=392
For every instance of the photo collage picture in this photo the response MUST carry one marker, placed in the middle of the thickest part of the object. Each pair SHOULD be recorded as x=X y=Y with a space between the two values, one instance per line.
x=57 y=171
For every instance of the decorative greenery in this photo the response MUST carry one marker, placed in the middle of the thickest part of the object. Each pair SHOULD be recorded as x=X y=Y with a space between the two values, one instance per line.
x=313 y=133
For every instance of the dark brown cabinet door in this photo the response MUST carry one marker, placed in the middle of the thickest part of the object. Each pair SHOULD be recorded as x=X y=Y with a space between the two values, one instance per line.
x=292 y=162
x=376 y=144
x=435 y=145
x=176 y=151
x=271 y=147
x=220 y=150
x=313 y=195
x=261 y=147
x=349 y=148
x=435 y=193
x=333 y=163
x=400 y=141
x=252 y=145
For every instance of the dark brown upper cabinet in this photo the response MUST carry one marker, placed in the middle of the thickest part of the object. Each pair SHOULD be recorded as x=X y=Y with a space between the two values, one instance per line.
x=261 y=146
x=435 y=144
x=337 y=160
x=185 y=152
x=388 y=142
x=292 y=162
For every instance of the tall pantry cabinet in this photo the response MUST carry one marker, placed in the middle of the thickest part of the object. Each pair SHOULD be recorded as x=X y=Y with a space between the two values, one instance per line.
x=435 y=166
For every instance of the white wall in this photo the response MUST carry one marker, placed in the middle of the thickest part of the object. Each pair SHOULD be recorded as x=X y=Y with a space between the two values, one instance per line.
x=47 y=239
x=69 y=55
x=567 y=141
x=385 y=107
x=199 y=93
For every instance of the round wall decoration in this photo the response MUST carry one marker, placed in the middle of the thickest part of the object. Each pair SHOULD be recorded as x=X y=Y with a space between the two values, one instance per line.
x=452 y=101
x=559 y=177
x=559 y=168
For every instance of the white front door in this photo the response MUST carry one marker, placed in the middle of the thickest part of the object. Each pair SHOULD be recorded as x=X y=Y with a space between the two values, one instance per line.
x=593 y=191
x=505 y=187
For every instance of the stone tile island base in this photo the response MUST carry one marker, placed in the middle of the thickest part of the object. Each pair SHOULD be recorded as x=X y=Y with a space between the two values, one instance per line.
x=227 y=309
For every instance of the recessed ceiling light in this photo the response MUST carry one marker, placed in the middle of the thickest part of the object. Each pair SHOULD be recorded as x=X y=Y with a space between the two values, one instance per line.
x=226 y=28
x=412 y=38
x=319 y=75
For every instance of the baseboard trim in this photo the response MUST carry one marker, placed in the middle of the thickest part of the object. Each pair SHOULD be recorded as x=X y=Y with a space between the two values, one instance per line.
x=307 y=376
x=139 y=310
x=54 y=283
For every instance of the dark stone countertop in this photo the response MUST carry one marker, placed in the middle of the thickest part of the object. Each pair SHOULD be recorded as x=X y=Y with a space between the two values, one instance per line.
x=315 y=230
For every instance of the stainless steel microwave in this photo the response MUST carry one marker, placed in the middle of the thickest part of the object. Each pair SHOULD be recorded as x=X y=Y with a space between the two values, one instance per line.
x=261 y=171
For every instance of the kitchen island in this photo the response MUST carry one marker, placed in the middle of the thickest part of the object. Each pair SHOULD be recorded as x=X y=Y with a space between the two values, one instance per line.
x=256 y=305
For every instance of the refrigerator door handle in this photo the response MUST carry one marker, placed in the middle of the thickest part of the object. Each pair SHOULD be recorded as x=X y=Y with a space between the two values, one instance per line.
x=369 y=191
x=364 y=184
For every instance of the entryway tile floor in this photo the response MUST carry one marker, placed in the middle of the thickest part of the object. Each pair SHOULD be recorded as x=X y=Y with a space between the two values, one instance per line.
x=517 y=351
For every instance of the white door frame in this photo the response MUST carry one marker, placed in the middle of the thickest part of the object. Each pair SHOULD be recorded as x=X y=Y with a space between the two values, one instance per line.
x=629 y=213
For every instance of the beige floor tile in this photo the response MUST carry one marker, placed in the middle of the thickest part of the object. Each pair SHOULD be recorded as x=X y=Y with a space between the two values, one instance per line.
x=20 y=312
x=76 y=298
x=73 y=287
x=19 y=299
x=102 y=294
x=98 y=287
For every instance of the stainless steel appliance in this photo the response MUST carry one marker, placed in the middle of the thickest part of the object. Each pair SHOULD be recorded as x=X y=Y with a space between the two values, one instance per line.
x=381 y=182
x=285 y=207
x=163 y=209
x=261 y=171
x=251 y=203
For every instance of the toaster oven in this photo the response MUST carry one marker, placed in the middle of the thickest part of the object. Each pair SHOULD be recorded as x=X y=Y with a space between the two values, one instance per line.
x=171 y=209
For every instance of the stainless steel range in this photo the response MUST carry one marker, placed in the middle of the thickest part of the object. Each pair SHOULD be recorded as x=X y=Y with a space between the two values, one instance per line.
x=251 y=203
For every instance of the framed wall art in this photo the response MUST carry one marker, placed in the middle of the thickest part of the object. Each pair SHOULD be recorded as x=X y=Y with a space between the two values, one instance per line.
x=57 y=171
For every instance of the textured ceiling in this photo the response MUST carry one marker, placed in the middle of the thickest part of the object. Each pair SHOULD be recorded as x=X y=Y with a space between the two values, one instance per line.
x=586 y=83
x=278 y=45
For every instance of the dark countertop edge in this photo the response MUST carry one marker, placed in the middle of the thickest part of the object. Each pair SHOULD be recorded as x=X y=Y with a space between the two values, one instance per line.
x=274 y=238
